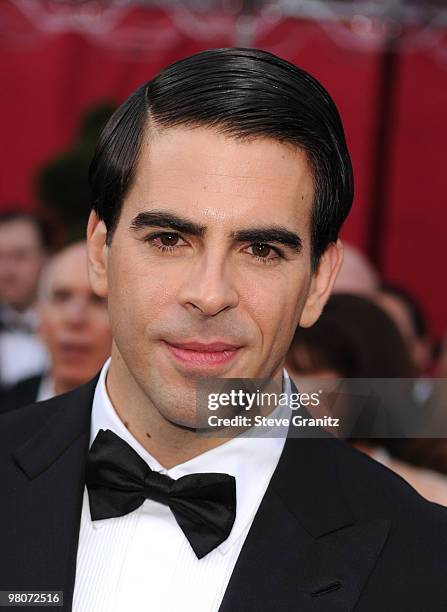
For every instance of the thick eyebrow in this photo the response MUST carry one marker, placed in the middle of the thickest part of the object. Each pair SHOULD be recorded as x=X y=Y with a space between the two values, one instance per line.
x=277 y=234
x=162 y=218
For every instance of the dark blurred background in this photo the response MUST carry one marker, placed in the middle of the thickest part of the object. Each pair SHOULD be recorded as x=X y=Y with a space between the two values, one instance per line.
x=65 y=64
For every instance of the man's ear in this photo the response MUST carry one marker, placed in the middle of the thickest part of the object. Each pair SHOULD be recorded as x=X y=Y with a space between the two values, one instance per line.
x=97 y=254
x=321 y=284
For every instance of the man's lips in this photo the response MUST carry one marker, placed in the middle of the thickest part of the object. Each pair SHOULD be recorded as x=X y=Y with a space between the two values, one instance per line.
x=202 y=354
x=73 y=350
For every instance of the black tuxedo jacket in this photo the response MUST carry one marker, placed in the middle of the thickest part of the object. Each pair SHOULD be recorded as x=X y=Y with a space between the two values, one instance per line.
x=335 y=531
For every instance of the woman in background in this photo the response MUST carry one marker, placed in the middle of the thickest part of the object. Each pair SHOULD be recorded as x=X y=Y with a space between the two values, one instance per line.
x=355 y=339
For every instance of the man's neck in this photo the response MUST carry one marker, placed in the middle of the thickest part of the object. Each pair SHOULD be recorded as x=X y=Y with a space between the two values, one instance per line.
x=63 y=386
x=169 y=443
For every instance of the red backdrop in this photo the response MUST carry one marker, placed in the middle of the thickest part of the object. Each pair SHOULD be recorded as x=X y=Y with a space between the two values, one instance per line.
x=49 y=80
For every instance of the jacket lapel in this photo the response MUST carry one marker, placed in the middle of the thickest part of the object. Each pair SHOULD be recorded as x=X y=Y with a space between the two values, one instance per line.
x=48 y=499
x=305 y=550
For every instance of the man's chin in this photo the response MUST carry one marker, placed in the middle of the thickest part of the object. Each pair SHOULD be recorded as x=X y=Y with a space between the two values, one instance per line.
x=180 y=411
x=182 y=424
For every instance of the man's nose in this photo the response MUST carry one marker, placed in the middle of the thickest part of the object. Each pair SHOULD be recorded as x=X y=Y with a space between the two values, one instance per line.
x=76 y=312
x=209 y=287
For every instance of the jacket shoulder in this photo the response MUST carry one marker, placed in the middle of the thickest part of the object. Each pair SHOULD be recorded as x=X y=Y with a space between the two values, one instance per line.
x=373 y=489
x=23 y=422
x=17 y=426
x=410 y=572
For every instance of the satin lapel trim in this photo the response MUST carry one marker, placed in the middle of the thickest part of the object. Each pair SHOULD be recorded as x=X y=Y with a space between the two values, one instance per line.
x=282 y=568
x=71 y=419
x=339 y=564
x=305 y=551
x=49 y=502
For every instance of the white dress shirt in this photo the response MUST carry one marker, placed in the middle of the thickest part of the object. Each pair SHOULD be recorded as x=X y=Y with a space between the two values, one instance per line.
x=142 y=561
x=46 y=388
x=22 y=352
x=22 y=355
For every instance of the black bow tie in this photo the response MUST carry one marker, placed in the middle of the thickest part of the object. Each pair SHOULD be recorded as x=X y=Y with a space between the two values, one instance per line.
x=118 y=482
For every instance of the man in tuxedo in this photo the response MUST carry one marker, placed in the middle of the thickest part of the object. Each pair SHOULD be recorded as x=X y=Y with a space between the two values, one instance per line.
x=74 y=325
x=23 y=251
x=219 y=188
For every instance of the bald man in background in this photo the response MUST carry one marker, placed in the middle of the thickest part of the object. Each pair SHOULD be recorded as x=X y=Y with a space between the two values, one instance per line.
x=357 y=274
x=74 y=325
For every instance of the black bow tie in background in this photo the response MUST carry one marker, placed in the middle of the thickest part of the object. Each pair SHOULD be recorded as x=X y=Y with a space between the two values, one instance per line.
x=118 y=482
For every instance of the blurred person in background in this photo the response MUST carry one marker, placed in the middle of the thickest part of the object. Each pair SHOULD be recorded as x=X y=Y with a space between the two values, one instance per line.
x=218 y=189
x=357 y=274
x=441 y=366
x=23 y=251
x=355 y=338
x=74 y=325
x=409 y=318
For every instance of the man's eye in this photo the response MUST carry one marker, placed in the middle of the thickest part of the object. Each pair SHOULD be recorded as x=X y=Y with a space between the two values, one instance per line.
x=60 y=296
x=166 y=241
x=261 y=250
x=169 y=239
x=97 y=300
x=264 y=252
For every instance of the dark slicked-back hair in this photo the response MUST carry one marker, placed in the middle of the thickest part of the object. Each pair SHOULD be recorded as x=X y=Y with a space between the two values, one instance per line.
x=241 y=93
